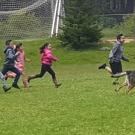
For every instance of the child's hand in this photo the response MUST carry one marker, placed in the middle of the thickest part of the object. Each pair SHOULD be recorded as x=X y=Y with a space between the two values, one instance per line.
x=17 y=54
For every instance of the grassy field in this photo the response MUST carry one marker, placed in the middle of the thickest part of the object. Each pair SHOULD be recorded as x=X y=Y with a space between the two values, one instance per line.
x=85 y=104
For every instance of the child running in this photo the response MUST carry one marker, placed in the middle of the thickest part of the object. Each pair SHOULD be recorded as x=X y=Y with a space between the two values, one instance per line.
x=46 y=60
x=20 y=64
x=115 y=57
x=9 y=64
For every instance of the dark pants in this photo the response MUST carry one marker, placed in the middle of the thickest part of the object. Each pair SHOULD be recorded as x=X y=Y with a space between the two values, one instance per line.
x=13 y=69
x=116 y=67
x=45 y=68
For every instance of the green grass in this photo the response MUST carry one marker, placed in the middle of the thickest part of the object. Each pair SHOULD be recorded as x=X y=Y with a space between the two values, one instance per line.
x=85 y=104
x=109 y=33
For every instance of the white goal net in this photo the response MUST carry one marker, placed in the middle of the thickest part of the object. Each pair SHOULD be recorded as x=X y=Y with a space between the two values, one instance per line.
x=21 y=19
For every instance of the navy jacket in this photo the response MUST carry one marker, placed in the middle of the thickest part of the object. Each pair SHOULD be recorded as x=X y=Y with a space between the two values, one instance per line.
x=10 y=56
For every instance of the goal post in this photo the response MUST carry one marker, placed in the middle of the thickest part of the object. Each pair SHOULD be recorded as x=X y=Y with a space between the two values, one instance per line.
x=58 y=11
x=24 y=19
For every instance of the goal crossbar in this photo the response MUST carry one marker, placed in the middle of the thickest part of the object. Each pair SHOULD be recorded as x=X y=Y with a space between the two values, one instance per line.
x=26 y=9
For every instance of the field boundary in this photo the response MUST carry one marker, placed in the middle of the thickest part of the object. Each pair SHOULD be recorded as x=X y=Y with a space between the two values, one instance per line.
x=127 y=40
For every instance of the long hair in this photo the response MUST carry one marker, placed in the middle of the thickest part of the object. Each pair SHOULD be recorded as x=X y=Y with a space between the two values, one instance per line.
x=18 y=46
x=41 y=49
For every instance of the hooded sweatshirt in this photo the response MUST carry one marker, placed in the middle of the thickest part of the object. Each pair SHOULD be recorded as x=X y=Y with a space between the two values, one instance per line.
x=116 y=54
x=10 y=56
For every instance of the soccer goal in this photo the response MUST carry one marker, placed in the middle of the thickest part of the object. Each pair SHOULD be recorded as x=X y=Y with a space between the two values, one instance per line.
x=25 y=19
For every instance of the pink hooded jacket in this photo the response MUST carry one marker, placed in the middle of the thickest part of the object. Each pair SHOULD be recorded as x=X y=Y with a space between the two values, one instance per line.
x=47 y=57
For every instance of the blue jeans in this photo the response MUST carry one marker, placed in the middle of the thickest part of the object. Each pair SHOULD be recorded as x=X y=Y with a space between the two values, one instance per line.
x=14 y=70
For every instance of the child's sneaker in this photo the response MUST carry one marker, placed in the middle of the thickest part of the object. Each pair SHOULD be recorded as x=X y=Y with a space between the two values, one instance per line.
x=102 y=66
x=58 y=85
x=15 y=86
x=6 y=88
x=28 y=79
x=25 y=83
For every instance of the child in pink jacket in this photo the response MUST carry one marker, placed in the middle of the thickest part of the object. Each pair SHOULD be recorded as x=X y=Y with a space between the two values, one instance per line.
x=46 y=60
x=20 y=64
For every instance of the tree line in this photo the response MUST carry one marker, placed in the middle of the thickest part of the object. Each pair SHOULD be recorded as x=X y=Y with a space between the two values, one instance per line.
x=82 y=23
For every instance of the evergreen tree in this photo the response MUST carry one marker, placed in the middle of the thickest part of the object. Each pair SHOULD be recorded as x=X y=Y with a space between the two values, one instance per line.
x=80 y=23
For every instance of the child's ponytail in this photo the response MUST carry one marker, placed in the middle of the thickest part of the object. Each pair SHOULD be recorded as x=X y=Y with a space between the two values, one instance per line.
x=18 y=46
x=41 y=49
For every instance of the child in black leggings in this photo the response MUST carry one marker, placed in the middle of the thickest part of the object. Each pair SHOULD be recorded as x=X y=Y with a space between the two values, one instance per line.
x=46 y=60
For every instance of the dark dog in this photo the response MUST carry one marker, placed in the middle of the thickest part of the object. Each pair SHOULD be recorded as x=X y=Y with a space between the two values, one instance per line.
x=129 y=80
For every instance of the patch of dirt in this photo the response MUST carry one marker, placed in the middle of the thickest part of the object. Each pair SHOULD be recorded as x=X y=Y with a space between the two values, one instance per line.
x=127 y=40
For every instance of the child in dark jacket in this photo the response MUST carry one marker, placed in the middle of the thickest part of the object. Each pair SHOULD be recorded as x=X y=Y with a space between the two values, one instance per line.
x=115 y=57
x=9 y=64
x=20 y=64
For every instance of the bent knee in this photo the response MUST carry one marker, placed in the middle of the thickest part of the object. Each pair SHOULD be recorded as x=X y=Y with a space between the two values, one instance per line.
x=40 y=75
